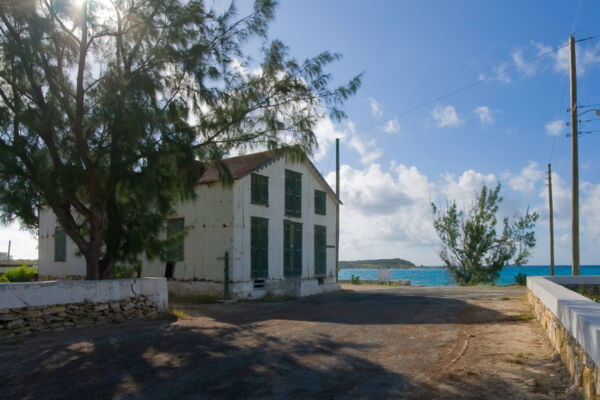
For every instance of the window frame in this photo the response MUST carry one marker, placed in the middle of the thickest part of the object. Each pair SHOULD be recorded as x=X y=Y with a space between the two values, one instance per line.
x=320 y=251
x=292 y=253
x=176 y=250
x=321 y=202
x=259 y=247
x=259 y=189
x=60 y=235
x=293 y=194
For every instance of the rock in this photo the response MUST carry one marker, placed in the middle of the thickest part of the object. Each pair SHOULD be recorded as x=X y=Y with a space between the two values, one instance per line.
x=53 y=310
x=101 y=307
x=115 y=306
x=34 y=314
x=15 y=324
x=530 y=382
x=9 y=317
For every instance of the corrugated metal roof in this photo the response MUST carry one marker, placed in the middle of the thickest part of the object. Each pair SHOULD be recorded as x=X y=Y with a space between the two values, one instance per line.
x=243 y=165
x=239 y=166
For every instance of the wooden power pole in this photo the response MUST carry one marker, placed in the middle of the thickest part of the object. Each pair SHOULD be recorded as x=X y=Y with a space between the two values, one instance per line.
x=575 y=162
x=551 y=220
x=337 y=207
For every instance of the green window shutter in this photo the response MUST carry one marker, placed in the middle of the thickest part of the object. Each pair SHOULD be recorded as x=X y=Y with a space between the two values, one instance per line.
x=287 y=250
x=259 y=189
x=175 y=236
x=60 y=245
x=320 y=201
x=297 y=270
x=293 y=193
x=320 y=250
x=292 y=249
x=259 y=248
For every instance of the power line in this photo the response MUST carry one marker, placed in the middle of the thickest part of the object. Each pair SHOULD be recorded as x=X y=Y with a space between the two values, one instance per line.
x=478 y=82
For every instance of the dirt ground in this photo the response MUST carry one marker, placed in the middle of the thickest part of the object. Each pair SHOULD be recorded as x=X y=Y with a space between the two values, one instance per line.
x=364 y=342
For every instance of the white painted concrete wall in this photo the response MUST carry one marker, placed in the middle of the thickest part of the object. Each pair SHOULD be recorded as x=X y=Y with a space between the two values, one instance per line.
x=579 y=315
x=47 y=267
x=209 y=218
x=30 y=294
x=275 y=212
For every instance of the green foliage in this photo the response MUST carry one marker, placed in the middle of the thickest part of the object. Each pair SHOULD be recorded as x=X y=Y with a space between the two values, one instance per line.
x=521 y=279
x=123 y=272
x=106 y=109
x=4 y=279
x=471 y=247
x=355 y=280
x=21 y=274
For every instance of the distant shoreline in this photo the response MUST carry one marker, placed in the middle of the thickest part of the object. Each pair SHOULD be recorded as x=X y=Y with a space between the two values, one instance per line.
x=441 y=267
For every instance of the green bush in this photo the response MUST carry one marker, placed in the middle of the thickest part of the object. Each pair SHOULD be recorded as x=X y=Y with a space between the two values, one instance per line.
x=355 y=280
x=521 y=279
x=3 y=279
x=21 y=274
x=126 y=272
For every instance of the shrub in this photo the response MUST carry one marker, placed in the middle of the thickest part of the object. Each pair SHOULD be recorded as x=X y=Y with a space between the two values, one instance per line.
x=122 y=272
x=21 y=274
x=355 y=280
x=4 y=279
x=521 y=279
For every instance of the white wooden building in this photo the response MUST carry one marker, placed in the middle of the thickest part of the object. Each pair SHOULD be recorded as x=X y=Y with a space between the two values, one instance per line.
x=276 y=222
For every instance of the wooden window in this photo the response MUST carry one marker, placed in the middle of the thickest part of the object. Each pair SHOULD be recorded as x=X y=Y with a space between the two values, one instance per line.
x=175 y=236
x=292 y=249
x=320 y=250
x=293 y=193
x=60 y=244
x=320 y=202
x=259 y=189
x=259 y=248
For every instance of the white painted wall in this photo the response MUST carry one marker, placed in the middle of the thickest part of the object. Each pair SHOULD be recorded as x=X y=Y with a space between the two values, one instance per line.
x=579 y=315
x=209 y=218
x=30 y=294
x=47 y=267
x=218 y=220
x=275 y=212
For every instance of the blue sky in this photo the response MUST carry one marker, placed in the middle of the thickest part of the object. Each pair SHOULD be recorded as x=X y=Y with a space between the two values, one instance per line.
x=503 y=130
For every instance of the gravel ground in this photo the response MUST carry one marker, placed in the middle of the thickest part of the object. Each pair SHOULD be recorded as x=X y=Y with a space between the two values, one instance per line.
x=363 y=342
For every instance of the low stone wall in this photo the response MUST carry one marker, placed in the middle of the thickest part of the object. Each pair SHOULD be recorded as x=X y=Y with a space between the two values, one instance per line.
x=572 y=323
x=42 y=306
x=27 y=320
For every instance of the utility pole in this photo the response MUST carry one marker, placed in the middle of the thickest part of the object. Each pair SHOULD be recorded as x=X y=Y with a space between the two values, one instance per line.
x=575 y=163
x=551 y=220
x=337 y=207
x=8 y=254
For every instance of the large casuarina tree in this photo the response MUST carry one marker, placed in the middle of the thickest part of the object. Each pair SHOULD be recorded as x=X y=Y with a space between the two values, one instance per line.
x=473 y=248
x=106 y=107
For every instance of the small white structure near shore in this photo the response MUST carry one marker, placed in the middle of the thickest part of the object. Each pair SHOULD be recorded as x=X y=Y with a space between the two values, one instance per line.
x=276 y=222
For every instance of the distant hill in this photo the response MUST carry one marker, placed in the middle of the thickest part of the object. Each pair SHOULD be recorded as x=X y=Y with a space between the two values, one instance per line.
x=376 y=264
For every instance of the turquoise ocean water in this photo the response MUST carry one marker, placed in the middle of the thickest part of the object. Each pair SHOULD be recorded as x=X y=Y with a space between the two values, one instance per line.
x=440 y=277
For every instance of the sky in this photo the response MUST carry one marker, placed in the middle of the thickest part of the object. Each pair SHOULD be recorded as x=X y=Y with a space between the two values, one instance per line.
x=400 y=150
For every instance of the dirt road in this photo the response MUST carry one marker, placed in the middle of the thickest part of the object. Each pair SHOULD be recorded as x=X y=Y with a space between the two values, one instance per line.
x=364 y=342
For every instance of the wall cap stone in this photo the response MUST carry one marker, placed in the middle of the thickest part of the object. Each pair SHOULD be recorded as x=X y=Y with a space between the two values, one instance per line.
x=579 y=315
x=30 y=294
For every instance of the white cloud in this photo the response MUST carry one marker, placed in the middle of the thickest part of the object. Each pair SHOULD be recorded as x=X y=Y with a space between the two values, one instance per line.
x=326 y=132
x=446 y=116
x=485 y=114
x=23 y=243
x=586 y=58
x=528 y=179
x=555 y=128
x=375 y=107
x=528 y=69
x=392 y=126
x=367 y=150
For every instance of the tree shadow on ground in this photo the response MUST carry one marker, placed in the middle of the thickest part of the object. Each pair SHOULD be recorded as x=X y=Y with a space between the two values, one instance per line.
x=152 y=360
x=353 y=308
